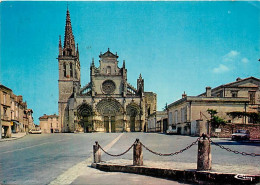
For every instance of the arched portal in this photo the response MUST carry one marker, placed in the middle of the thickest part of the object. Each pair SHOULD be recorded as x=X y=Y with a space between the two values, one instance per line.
x=84 y=113
x=132 y=110
x=109 y=108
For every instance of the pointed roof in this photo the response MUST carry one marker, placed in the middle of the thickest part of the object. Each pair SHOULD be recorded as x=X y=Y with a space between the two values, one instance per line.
x=108 y=54
x=60 y=41
x=69 y=42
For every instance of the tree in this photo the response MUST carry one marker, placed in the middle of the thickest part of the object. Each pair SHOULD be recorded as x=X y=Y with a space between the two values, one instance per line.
x=215 y=120
x=165 y=107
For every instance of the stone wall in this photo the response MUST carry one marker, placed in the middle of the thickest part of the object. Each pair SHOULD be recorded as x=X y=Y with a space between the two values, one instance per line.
x=228 y=129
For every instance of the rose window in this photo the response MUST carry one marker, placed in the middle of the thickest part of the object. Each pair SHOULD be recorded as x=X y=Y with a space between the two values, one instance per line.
x=108 y=86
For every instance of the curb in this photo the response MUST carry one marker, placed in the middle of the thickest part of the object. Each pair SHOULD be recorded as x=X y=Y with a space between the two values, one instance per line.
x=201 y=177
x=12 y=139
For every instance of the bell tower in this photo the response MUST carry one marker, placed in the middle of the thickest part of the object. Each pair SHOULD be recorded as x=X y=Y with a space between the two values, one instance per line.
x=69 y=73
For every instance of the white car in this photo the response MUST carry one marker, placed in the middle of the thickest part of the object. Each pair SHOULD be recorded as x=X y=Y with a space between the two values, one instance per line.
x=171 y=131
x=241 y=135
x=35 y=131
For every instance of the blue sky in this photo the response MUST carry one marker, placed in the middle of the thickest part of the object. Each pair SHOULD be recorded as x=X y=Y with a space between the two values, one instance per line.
x=177 y=46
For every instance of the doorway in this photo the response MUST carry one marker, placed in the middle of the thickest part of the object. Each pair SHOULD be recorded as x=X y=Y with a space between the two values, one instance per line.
x=132 y=123
x=113 y=124
x=106 y=123
x=110 y=122
x=164 y=125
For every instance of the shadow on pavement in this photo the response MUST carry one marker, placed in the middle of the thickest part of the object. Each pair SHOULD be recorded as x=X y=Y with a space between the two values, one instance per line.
x=248 y=143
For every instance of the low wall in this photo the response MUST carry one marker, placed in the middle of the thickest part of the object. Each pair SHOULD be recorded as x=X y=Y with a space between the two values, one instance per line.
x=198 y=177
x=228 y=129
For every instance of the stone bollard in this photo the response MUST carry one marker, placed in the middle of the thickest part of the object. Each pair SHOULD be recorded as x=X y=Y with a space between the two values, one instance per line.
x=96 y=153
x=204 y=154
x=138 y=154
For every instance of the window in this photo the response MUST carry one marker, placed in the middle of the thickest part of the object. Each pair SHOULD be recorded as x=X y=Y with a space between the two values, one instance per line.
x=4 y=98
x=170 y=118
x=183 y=114
x=5 y=111
x=108 y=86
x=251 y=97
x=220 y=94
x=234 y=94
x=176 y=116
x=71 y=70
x=64 y=69
x=12 y=105
x=75 y=74
x=149 y=111
x=250 y=120
x=108 y=70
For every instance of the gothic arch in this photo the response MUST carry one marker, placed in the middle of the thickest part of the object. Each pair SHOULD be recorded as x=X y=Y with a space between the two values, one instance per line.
x=109 y=107
x=132 y=109
x=84 y=110
x=84 y=114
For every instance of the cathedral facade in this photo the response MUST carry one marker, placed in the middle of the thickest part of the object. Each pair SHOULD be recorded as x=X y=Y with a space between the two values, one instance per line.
x=108 y=103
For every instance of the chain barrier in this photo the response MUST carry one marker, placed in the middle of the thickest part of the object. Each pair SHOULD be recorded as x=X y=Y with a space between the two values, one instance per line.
x=234 y=151
x=114 y=155
x=180 y=151
x=171 y=154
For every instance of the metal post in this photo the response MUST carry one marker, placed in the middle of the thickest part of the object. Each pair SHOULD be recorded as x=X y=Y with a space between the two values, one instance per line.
x=137 y=154
x=204 y=154
x=96 y=153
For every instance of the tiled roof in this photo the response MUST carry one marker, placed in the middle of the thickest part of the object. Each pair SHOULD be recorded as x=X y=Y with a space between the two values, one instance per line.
x=48 y=116
x=231 y=83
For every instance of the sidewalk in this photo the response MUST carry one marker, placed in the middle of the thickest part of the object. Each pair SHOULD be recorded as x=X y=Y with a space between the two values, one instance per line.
x=96 y=177
x=14 y=136
x=186 y=172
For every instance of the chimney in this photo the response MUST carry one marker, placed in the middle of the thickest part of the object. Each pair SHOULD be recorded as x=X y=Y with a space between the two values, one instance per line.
x=208 y=91
x=184 y=95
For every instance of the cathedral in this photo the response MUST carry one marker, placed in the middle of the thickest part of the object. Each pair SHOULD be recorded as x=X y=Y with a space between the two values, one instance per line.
x=108 y=103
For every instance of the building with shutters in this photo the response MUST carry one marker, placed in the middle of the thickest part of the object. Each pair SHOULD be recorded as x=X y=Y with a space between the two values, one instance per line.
x=15 y=116
x=50 y=124
x=190 y=117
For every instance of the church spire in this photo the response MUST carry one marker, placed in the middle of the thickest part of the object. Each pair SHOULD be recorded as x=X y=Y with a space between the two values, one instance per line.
x=60 y=47
x=77 y=52
x=69 y=43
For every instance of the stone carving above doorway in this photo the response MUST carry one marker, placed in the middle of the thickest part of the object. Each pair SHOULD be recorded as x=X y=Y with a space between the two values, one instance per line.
x=109 y=107
x=132 y=109
x=84 y=110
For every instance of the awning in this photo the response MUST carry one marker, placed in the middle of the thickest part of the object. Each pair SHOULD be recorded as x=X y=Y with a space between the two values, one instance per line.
x=16 y=122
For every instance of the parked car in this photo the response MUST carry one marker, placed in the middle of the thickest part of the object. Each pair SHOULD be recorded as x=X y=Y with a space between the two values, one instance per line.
x=241 y=135
x=171 y=130
x=35 y=131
